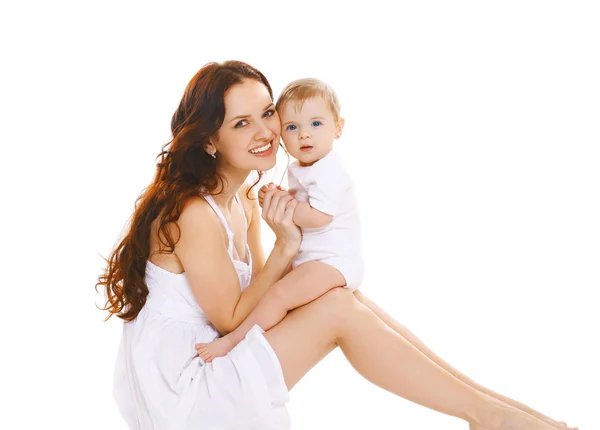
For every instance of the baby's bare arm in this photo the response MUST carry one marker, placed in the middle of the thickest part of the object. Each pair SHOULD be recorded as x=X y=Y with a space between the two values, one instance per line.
x=307 y=216
x=304 y=215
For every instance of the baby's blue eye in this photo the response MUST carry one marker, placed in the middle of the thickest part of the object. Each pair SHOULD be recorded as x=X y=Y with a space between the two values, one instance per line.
x=316 y=123
x=291 y=127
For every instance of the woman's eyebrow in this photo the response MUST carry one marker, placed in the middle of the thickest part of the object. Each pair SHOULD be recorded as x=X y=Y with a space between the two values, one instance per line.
x=247 y=115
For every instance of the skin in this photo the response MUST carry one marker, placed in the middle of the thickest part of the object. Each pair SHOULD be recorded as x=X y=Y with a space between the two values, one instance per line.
x=308 y=133
x=338 y=318
x=311 y=126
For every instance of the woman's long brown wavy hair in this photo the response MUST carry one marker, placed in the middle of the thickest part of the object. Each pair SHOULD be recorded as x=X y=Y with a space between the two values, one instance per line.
x=184 y=168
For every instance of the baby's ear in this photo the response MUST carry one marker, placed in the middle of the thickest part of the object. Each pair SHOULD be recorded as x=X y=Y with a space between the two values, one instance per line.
x=339 y=127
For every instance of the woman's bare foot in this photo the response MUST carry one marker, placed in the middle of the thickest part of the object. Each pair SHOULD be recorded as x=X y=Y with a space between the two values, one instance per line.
x=505 y=417
x=217 y=348
x=558 y=425
x=561 y=425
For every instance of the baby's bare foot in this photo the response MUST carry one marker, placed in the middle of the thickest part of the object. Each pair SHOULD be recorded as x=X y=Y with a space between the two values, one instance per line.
x=217 y=348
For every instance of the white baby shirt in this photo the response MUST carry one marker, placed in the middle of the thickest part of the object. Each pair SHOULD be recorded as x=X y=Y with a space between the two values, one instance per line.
x=328 y=187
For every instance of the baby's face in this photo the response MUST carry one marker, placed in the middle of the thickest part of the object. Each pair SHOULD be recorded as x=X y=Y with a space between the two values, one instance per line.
x=308 y=133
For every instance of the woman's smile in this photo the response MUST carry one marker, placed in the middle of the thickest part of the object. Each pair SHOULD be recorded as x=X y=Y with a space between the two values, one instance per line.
x=263 y=151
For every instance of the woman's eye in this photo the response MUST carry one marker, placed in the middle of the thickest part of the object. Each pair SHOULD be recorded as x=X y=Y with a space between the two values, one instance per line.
x=291 y=127
x=316 y=123
x=268 y=113
x=241 y=123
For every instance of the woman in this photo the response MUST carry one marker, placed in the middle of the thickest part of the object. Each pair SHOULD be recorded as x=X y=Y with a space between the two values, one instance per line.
x=191 y=267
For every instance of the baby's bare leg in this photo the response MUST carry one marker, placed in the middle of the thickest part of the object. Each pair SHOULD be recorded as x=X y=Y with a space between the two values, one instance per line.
x=300 y=286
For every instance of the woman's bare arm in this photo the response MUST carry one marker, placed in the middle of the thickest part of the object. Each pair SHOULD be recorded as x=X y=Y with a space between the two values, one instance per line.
x=211 y=273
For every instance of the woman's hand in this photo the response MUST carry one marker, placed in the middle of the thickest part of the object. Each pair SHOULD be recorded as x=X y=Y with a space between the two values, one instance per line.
x=263 y=190
x=278 y=208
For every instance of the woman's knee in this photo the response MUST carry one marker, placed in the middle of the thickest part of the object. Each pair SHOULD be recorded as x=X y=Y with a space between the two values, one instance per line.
x=339 y=309
x=338 y=294
x=339 y=302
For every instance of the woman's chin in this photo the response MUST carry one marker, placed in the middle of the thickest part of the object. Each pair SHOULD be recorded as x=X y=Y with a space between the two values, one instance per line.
x=265 y=162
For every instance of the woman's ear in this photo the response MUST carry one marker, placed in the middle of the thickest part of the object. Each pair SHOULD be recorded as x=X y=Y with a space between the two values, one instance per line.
x=210 y=147
x=339 y=127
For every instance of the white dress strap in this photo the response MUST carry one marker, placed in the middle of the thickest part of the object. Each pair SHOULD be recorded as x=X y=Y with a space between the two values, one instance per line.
x=237 y=197
x=219 y=213
x=217 y=210
x=246 y=245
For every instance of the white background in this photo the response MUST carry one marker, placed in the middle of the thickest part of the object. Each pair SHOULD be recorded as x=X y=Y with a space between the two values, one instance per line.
x=472 y=131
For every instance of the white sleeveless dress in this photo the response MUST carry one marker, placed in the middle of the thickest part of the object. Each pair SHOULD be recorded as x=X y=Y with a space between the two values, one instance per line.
x=160 y=382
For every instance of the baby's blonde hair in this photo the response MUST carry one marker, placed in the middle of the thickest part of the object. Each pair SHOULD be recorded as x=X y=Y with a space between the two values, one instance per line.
x=301 y=90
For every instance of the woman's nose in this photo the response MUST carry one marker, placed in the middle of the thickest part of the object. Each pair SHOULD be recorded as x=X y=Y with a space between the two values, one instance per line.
x=263 y=132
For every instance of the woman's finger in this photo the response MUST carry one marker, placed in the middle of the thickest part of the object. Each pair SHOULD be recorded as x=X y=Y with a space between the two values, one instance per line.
x=283 y=199
x=288 y=217
x=281 y=206
x=272 y=209
x=267 y=203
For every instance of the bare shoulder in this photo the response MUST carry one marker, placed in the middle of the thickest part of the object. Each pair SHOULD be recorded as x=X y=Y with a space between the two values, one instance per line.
x=197 y=216
x=194 y=208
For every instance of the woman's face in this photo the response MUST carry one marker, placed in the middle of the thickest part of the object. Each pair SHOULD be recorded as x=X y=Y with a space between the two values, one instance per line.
x=249 y=136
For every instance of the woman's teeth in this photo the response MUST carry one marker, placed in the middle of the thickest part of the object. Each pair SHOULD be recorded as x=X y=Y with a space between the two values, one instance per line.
x=261 y=149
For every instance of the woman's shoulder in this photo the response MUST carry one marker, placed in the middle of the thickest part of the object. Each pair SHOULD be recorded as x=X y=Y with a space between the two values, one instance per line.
x=196 y=211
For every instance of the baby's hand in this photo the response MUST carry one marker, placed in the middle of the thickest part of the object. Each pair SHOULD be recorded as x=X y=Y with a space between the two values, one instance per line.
x=264 y=189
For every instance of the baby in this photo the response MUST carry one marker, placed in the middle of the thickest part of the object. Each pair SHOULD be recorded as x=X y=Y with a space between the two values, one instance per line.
x=330 y=253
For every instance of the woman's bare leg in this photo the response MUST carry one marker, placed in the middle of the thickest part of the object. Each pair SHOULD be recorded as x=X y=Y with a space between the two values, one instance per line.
x=385 y=358
x=409 y=336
